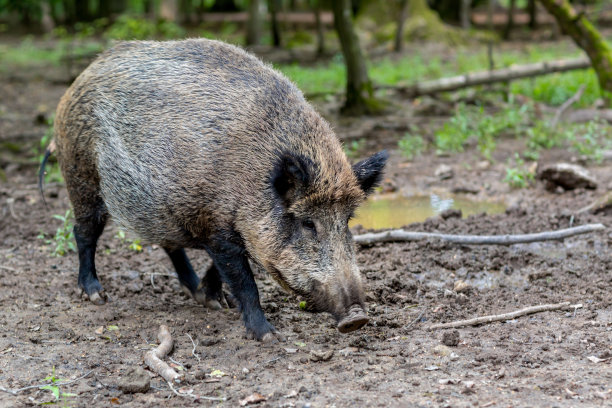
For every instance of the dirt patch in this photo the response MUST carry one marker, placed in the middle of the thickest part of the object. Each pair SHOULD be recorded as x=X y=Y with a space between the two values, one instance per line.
x=542 y=359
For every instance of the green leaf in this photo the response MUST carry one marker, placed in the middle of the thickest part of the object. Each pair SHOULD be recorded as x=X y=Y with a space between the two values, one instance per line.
x=53 y=388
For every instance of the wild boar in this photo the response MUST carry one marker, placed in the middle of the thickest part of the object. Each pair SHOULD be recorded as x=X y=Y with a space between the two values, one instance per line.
x=198 y=144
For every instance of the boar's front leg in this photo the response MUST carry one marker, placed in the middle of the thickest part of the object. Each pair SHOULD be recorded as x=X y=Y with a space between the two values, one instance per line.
x=208 y=292
x=233 y=266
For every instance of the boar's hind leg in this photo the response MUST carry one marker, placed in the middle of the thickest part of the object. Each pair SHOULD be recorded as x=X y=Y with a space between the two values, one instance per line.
x=233 y=266
x=87 y=229
x=207 y=292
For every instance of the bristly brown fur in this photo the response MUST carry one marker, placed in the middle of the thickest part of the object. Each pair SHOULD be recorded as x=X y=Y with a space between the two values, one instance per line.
x=178 y=143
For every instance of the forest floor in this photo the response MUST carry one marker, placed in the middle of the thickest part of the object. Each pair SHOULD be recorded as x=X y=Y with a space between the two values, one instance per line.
x=559 y=358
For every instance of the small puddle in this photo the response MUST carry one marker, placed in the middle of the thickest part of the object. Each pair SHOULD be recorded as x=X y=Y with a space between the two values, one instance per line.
x=394 y=211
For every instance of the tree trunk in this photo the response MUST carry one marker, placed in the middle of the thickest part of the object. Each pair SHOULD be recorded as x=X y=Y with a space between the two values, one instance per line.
x=46 y=21
x=464 y=14
x=255 y=23
x=586 y=36
x=533 y=14
x=169 y=10
x=359 y=93
x=510 y=22
x=274 y=6
x=320 y=28
x=401 y=21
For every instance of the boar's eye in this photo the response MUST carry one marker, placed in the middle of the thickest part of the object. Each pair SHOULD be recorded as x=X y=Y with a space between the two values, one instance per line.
x=309 y=225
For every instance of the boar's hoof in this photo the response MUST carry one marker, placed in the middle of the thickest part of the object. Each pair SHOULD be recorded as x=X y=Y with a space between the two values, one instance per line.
x=98 y=298
x=202 y=298
x=269 y=337
x=355 y=319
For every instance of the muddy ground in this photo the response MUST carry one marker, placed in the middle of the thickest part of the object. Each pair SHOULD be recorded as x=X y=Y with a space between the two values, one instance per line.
x=537 y=360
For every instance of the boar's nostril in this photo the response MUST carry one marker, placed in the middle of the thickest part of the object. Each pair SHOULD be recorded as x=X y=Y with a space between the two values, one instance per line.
x=354 y=319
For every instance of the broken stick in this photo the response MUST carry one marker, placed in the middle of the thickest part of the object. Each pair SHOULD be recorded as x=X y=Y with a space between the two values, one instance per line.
x=566 y=105
x=401 y=235
x=153 y=358
x=505 y=316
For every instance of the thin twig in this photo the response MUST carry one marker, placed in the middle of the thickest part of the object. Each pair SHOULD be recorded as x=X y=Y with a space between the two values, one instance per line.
x=176 y=362
x=11 y=205
x=566 y=105
x=194 y=396
x=412 y=323
x=193 y=353
x=505 y=316
x=8 y=268
x=402 y=235
x=153 y=358
x=18 y=390
x=152 y=282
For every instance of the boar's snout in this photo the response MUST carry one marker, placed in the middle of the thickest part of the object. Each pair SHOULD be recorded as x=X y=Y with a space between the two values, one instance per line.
x=354 y=319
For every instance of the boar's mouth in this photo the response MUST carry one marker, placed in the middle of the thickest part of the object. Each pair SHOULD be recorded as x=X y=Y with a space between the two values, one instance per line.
x=355 y=319
x=348 y=318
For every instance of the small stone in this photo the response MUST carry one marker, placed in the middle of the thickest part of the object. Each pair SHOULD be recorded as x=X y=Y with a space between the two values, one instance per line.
x=444 y=172
x=567 y=176
x=451 y=213
x=321 y=355
x=461 y=286
x=245 y=370
x=449 y=293
x=441 y=350
x=483 y=165
x=451 y=338
x=136 y=379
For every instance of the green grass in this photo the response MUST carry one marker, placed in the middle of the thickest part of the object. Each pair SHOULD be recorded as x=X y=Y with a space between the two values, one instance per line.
x=411 y=145
x=31 y=54
x=518 y=176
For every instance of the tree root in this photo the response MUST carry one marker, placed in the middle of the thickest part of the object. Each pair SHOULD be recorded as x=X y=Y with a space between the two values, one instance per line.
x=505 y=316
x=153 y=358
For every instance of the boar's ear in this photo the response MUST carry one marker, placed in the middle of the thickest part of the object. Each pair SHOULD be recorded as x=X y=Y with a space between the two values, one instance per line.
x=369 y=172
x=291 y=176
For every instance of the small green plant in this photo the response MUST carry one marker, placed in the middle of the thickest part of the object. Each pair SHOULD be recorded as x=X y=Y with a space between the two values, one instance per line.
x=54 y=387
x=354 y=147
x=518 y=176
x=133 y=244
x=454 y=134
x=63 y=241
x=589 y=140
x=411 y=145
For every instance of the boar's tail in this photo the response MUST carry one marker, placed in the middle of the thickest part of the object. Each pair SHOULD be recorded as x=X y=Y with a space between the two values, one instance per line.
x=41 y=172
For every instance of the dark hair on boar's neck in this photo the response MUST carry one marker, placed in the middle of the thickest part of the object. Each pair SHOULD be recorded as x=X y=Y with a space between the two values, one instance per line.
x=198 y=144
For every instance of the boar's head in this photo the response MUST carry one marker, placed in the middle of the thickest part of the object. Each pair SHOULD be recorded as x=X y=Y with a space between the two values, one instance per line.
x=305 y=242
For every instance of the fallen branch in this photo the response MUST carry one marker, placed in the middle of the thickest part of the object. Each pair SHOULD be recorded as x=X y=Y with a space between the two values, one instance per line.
x=490 y=77
x=505 y=316
x=153 y=358
x=401 y=235
x=58 y=383
x=566 y=105
x=587 y=115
